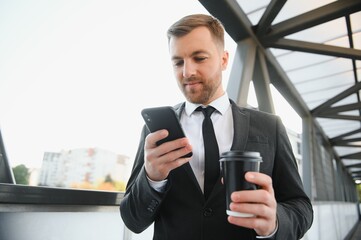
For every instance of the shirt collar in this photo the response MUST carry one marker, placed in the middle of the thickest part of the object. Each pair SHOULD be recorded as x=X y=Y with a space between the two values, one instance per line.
x=221 y=104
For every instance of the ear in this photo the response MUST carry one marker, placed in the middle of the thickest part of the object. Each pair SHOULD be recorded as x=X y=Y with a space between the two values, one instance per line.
x=225 y=57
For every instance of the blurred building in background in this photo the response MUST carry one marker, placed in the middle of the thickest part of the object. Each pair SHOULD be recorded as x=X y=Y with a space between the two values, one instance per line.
x=87 y=168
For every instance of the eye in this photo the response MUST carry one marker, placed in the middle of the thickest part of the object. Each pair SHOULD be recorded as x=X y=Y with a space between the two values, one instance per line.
x=200 y=59
x=178 y=63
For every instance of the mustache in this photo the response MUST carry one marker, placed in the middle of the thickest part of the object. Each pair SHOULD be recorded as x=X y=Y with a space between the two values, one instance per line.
x=191 y=79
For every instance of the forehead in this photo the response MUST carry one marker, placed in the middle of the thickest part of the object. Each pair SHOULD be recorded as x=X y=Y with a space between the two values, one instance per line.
x=198 y=40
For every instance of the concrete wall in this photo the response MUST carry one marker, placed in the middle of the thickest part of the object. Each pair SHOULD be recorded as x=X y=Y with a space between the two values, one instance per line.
x=332 y=221
x=69 y=224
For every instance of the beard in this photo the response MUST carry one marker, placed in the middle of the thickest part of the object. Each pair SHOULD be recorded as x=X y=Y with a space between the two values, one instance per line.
x=202 y=95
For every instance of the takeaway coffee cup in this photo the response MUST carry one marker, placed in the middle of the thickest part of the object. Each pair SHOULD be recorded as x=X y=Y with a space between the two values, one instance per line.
x=234 y=165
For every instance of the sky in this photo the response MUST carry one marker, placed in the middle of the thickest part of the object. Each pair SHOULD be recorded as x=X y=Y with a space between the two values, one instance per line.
x=76 y=73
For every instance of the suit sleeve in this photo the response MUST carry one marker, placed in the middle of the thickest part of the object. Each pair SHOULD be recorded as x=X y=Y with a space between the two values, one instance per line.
x=141 y=202
x=294 y=209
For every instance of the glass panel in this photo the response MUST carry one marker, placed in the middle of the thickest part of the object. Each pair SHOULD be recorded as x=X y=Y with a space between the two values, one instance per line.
x=252 y=98
x=290 y=118
x=339 y=81
x=357 y=40
x=280 y=52
x=328 y=68
x=347 y=150
x=340 y=42
x=298 y=60
x=74 y=76
x=323 y=32
x=335 y=127
x=255 y=16
x=251 y=6
x=356 y=22
x=294 y=8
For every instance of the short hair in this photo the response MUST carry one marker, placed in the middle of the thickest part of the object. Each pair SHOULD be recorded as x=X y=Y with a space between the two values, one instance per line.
x=188 y=23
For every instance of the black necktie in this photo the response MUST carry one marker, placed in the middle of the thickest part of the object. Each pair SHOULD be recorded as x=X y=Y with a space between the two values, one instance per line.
x=211 y=152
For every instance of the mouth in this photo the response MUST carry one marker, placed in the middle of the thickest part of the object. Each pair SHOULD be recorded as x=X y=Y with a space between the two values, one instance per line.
x=192 y=83
x=192 y=86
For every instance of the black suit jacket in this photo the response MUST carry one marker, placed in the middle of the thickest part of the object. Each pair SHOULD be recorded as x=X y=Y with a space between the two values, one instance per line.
x=181 y=212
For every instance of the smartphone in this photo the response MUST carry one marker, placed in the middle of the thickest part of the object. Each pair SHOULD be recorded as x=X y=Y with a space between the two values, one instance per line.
x=158 y=118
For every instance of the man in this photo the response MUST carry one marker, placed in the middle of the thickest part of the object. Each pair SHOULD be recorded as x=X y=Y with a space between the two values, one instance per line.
x=167 y=189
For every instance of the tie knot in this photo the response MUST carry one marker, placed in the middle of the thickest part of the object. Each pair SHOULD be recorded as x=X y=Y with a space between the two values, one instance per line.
x=207 y=112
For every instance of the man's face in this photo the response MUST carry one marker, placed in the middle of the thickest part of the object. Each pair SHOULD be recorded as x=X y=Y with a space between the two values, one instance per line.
x=198 y=63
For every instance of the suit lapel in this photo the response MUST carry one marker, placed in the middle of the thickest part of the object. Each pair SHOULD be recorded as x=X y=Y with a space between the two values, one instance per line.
x=241 y=127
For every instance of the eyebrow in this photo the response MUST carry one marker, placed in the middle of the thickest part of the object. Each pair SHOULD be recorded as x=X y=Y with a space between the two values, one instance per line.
x=192 y=55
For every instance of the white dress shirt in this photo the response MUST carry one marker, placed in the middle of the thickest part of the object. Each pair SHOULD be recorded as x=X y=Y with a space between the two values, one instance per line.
x=191 y=122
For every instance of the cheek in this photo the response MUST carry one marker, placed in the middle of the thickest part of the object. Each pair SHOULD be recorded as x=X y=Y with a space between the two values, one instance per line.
x=209 y=71
x=178 y=74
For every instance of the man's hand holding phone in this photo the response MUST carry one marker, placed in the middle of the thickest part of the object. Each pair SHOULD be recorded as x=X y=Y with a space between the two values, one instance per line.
x=163 y=158
x=166 y=147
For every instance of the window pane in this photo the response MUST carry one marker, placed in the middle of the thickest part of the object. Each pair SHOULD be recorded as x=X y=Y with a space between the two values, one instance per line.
x=290 y=119
x=74 y=76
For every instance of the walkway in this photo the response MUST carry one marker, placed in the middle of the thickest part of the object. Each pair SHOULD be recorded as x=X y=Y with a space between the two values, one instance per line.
x=357 y=234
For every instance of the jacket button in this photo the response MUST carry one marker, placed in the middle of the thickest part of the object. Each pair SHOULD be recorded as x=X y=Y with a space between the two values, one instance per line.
x=208 y=212
x=151 y=207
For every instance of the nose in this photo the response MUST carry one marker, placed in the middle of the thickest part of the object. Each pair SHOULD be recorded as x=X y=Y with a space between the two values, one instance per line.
x=189 y=69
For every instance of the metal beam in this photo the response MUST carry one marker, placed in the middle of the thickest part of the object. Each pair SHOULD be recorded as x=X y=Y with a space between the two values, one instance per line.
x=261 y=82
x=337 y=98
x=273 y=8
x=352 y=156
x=356 y=165
x=235 y=21
x=6 y=173
x=355 y=175
x=343 y=108
x=342 y=136
x=242 y=72
x=315 y=17
x=346 y=141
x=307 y=154
x=339 y=116
x=317 y=48
x=354 y=67
x=346 y=145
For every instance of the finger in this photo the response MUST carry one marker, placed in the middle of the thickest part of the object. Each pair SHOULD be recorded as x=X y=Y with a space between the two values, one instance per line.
x=152 y=138
x=176 y=163
x=252 y=223
x=260 y=179
x=176 y=148
x=263 y=195
x=259 y=210
x=254 y=196
x=263 y=222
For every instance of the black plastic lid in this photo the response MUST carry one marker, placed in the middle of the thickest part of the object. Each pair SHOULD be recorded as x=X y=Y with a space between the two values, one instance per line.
x=256 y=156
